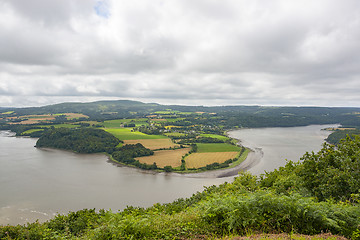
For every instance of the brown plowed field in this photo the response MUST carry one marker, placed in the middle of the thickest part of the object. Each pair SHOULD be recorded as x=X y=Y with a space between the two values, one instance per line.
x=197 y=160
x=165 y=157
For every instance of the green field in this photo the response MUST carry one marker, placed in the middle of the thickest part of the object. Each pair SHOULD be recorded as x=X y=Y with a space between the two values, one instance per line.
x=216 y=147
x=174 y=119
x=215 y=136
x=116 y=123
x=9 y=112
x=127 y=134
x=186 y=113
x=31 y=131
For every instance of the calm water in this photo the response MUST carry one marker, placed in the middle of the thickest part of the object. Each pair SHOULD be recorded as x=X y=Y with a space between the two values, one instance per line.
x=38 y=183
x=279 y=144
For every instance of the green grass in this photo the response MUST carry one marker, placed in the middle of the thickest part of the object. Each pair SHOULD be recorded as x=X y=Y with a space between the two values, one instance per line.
x=240 y=158
x=186 y=113
x=31 y=131
x=215 y=136
x=9 y=112
x=216 y=147
x=127 y=134
x=116 y=123
x=174 y=119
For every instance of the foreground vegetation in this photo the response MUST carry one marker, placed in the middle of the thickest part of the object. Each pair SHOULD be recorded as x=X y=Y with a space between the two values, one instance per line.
x=318 y=194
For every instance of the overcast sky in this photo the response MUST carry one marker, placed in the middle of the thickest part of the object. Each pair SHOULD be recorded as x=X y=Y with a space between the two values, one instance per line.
x=189 y=52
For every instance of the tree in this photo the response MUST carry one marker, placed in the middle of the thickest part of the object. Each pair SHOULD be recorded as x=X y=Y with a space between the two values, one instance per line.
x=333 y=172
x=168 y=169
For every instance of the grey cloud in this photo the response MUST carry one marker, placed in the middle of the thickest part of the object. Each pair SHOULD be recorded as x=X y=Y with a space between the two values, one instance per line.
x=54 y=12
x=234 y=51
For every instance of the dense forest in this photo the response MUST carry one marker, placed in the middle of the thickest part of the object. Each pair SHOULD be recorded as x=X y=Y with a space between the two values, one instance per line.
x=336 y=136
x=83 y=140
x=318 y=194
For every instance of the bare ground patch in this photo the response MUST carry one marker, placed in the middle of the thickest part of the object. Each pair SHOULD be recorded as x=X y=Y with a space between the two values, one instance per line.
x=70 y=116
x=165 y=157
x=197 y=160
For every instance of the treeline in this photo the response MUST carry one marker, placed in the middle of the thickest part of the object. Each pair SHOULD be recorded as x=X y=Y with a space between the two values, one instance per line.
x=336 y=136
x=83 y=140
x=91 y=140
x=129 y=152
x=200 y=140
x=316 y=195
x=217 y=165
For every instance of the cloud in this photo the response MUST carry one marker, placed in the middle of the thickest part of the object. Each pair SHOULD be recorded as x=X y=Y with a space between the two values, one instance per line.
x=192 y=52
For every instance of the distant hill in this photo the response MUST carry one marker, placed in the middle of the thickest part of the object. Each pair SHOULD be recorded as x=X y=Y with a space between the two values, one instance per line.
x=229 y=116
x=97 y=110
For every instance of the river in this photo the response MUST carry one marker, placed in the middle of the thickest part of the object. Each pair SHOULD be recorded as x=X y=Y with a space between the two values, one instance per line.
x=39 y=183
x=273 y=146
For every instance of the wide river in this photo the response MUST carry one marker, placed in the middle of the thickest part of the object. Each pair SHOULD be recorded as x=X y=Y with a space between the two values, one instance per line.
x=39 y=183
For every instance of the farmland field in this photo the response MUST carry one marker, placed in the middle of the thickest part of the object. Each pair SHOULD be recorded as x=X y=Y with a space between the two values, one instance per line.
x=71 y=116
x=165 y=157
x=45 y=116
x=197 y=160
x=127 y=134
x=153 y=143
x=215 y=136
x=6 y=113
x=31 y=131
x=216 y=147
x=174 y=119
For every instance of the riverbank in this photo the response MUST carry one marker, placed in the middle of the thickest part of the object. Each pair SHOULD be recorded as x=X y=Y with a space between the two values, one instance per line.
x=252 y=158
